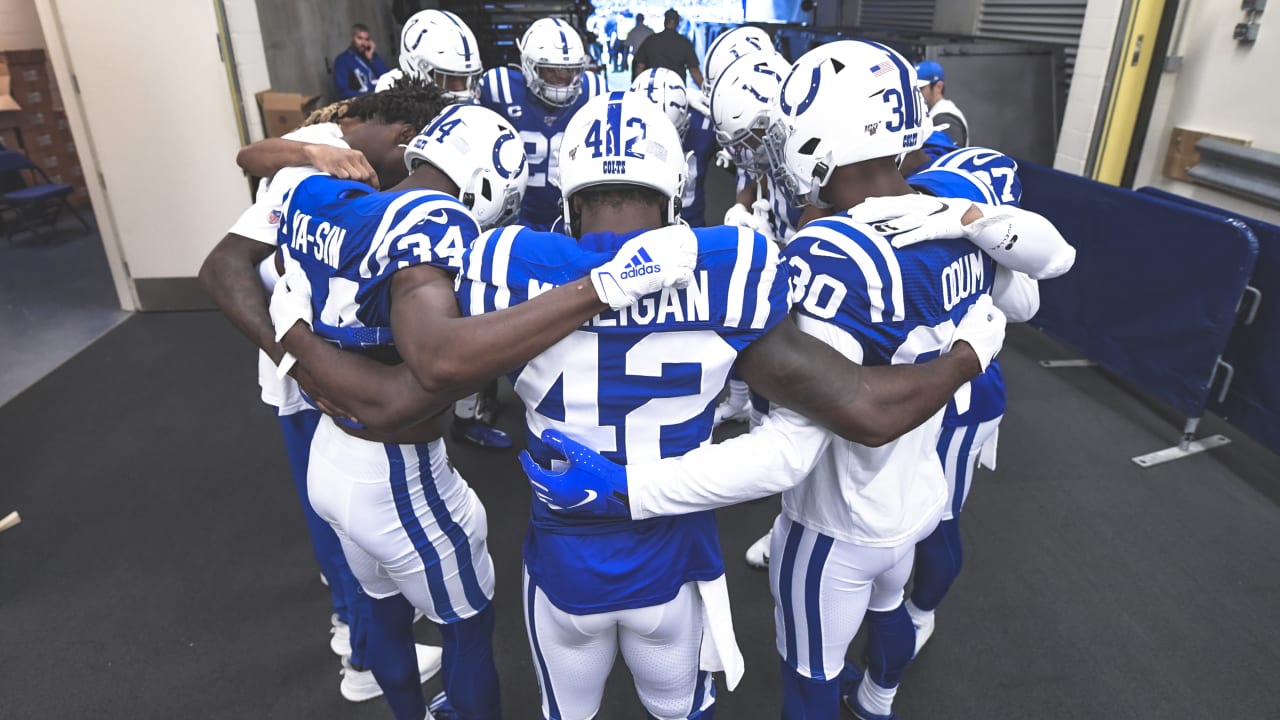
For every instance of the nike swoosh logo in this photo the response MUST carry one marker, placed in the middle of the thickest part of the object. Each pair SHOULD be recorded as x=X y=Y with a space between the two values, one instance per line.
x=439 y=216
x=817 y=249
x=591 y=495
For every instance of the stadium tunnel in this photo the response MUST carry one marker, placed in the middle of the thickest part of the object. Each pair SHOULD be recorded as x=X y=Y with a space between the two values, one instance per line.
x=1121 y=560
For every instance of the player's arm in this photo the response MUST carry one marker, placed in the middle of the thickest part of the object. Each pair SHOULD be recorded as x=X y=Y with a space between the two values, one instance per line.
x=1016 y=294
x=384 y=398
x=230 y=276
x=1018 y=239
x=267 y=157
x=870 y=405
x=774 y=457
x=866 y=405
x=445 y=350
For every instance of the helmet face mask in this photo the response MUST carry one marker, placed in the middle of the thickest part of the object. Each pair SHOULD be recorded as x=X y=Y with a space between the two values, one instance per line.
x=437 y=45
x=740 y=102
x=552 y=44
x=481 y=153
x=621 y=139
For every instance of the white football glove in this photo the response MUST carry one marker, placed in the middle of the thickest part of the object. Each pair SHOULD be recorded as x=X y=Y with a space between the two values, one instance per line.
x=699 y=103
x=724 y=160
x=983 y=328
x=290 y=305
x=739 y=216
x=909 y=219
x=647 y=263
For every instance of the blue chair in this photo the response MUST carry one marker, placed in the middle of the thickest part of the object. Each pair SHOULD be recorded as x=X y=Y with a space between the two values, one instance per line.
x=29 y=203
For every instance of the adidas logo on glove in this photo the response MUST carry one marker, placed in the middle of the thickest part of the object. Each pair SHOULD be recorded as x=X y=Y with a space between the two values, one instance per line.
x=641 y=264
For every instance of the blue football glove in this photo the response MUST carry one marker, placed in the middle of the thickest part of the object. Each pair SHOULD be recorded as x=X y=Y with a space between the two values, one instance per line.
x=590 y=485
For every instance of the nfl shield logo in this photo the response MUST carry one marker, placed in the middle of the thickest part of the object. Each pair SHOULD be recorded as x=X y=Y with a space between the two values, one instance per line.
x=274 y=218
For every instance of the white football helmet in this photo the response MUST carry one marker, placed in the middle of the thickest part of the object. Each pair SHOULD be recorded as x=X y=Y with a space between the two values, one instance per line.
x=437 y=45
x=553 y=44
x=620 y=138
x=480 y=151
x=730 y=46
x=665 y=88
x=740 y=104
x=842 y=103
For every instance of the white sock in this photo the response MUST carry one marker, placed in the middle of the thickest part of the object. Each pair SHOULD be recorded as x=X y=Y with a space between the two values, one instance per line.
x=919 y=617
x=738 y=393
x=874 y=698
x=466 y=407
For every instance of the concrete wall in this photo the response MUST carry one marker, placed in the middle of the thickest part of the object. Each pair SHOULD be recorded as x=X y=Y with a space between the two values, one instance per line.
x=19 y=25
x=251 y=60
x=1088 y=84
x=302 y=37
x=1222 y=88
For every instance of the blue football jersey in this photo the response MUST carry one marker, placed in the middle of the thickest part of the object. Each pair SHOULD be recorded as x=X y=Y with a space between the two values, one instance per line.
x=700 y=139
x=984 y=176
x=997 y=176
x=350 y=240
x=541 y=127
x=636 y=384
x=900 y=305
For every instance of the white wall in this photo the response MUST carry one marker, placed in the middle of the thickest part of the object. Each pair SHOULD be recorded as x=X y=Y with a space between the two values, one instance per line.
x=251 y=59
x=162 y=135
x=19 y=25
x=1222 y=88
x=1097 y=39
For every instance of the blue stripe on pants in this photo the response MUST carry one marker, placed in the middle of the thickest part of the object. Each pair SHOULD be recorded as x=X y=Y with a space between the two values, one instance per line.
x=812 y=603
x=531 y=617
x=418 y=536
x=785 y=577
x=457 y=537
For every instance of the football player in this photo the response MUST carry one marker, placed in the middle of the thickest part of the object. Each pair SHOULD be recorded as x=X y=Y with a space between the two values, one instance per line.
x=538 y=99
x=439 y=47
x=369 y=128
x=367 y=268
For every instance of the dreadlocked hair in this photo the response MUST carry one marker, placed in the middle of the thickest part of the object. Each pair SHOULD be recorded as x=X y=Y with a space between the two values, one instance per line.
x=410 y=100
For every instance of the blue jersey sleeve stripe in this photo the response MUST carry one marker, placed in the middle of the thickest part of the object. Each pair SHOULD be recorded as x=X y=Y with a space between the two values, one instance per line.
x=501 y=266
x=507 y=96
x=380 y=245
x=478 y=280
x=765 y=286
x=738 y=279
x=888 y=259
x=875 y=288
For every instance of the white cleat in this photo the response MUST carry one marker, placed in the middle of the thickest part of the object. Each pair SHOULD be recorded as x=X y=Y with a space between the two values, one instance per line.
x=729 y=412
x=758 y=554
x=360 y=685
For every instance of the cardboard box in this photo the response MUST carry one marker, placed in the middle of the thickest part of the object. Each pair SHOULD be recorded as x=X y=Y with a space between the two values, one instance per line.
x=9 y=108
x=282 y=112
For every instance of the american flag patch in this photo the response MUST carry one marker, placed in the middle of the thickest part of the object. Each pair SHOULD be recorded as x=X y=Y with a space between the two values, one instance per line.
x=881 y=68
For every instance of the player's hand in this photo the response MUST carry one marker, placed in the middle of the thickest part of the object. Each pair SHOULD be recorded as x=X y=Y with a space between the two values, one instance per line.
x=290 y=305
x=909 y=219
x=698 y=102
x=647 y=263
x=587 y=485
x=740 y=216
x=982 y=327
x=724 y=161
x=343 y=163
